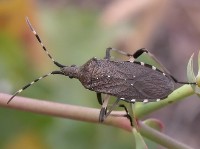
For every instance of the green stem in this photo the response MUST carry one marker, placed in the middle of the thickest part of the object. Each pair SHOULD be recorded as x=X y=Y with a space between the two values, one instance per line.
x=177 y=95
x=161 y=138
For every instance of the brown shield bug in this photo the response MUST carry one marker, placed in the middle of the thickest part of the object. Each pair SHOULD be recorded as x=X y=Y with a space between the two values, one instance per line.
x=131 y=81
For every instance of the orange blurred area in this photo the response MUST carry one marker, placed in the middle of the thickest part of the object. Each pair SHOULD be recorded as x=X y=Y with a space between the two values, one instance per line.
x=26 y=140
x=12 y=14
x=12 y=23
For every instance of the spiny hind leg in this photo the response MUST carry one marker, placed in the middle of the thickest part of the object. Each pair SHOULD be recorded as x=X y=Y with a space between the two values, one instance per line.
x=138 y=53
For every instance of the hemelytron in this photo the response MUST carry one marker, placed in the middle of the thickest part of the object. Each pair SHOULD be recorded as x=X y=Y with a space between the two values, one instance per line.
x=131 y=81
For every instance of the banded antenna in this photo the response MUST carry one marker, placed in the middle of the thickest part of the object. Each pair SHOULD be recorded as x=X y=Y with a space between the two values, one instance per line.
x=28 y=85
x=40 y=41
x=49 y=55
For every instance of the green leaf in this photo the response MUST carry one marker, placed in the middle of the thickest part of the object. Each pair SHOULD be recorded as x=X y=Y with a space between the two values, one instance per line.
x=197 y=89
x=191 y=75
x=198 y=75
x=190 y=71
x=139 y=140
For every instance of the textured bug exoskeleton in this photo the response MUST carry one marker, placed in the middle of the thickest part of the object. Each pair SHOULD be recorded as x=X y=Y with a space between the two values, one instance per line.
x=131 y=81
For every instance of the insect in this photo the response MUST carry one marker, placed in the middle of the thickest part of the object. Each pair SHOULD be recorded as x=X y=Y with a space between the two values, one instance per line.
x=131 y=81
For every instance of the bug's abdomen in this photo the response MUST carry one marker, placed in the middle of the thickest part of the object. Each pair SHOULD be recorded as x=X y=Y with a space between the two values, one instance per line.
x=129 y=81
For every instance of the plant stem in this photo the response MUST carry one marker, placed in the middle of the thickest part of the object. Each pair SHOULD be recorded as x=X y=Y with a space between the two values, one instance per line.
x=88 y=115
x=161 y=138
x=63 y=110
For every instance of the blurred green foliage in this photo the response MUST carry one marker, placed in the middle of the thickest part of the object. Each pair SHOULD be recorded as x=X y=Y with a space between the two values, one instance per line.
x=72 y=37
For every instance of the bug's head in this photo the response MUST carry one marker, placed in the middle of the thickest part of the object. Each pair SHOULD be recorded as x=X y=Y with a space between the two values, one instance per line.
x=70 y=71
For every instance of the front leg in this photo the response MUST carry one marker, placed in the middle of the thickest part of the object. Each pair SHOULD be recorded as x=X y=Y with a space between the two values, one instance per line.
x=103 y=111
x=99 y=98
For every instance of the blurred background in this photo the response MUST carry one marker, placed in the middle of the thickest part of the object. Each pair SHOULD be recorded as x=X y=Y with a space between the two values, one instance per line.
x=74 y=31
